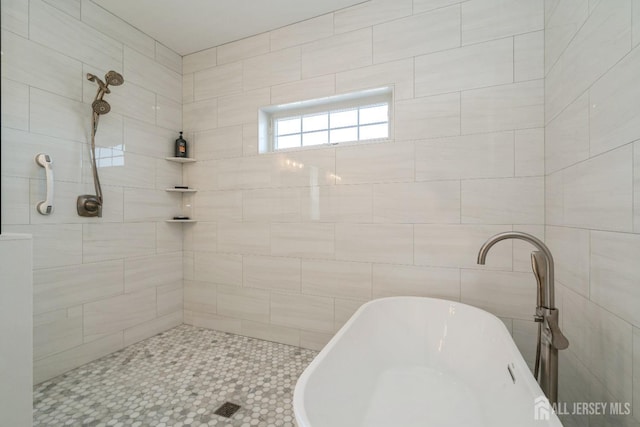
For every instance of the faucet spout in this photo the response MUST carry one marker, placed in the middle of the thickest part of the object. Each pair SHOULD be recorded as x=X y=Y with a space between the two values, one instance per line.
x=547 y=299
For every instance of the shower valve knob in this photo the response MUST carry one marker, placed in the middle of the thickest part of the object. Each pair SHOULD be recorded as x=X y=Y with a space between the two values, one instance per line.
x=89 y=205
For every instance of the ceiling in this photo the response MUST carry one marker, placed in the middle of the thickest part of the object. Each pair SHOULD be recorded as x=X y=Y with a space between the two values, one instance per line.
x=188 y=26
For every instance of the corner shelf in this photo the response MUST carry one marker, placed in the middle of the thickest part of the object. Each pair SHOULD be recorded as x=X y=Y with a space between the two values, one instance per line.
x=181 y=190
x=180 y=159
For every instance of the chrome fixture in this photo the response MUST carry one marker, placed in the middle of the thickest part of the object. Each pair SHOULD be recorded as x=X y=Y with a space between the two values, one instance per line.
x=89 y=204
x=550 y=338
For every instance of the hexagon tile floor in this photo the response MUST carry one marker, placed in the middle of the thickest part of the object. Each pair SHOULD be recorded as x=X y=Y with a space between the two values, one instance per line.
x=178 y=378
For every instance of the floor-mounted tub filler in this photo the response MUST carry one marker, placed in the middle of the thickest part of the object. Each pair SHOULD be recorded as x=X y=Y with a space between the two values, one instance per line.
x=421 y=362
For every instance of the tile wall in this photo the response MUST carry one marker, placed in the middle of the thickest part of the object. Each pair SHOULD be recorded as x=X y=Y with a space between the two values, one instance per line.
x=99 y=284
x=592 y=154
x=288 y=245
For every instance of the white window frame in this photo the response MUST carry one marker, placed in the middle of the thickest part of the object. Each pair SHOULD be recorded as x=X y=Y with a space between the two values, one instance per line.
x=268 y=116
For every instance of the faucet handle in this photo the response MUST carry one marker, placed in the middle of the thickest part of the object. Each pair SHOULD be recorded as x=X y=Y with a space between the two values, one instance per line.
x=558 y=340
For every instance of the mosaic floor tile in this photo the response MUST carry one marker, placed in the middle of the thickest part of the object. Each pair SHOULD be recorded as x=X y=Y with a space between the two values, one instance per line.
x=178 y=378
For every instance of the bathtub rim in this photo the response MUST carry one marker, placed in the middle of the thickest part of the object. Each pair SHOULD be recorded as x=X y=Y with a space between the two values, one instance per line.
x=299 y=409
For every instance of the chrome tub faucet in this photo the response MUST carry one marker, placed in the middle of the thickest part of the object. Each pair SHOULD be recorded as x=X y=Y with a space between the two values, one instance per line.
x=550 y=337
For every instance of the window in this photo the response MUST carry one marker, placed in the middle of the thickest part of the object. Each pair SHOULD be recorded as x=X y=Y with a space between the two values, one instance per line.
x=363 y=116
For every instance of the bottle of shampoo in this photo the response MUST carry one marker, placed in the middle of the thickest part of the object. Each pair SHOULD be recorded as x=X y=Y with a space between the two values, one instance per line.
x=181 y=147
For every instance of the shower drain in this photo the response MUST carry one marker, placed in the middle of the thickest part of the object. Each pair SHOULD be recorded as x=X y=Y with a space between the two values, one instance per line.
x=227 y=409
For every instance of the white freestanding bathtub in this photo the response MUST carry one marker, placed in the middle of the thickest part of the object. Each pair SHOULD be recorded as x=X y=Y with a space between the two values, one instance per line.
x=420 y=362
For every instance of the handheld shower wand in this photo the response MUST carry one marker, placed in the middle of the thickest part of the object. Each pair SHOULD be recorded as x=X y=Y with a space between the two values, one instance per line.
x=88 y=204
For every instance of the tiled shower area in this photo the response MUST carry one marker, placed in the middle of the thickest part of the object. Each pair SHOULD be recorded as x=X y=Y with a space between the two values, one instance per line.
x=178 y=378
x=505 y=115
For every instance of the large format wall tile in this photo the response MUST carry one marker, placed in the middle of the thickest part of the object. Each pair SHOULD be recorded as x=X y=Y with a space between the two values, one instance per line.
x=598 y=193
x=468 y=67
x=615 y=274
x=224 y=269
x=15 y=200
x=271 y=273
x=199 y=61
x=428 y=117
x=491 y=19
x=512 y=106
x=391 y=280
x=244 y=237
x=218 y=81
x=417 y=202
x=567 y=136
x=61 y=287
x=571 y=251
x=397 y=73
x=489 y=155
x=60 y=363
x=383 y=162
x=561 y=26
x=19 y=150
x=375 y=243
x=15 y=104
x=504 y=294
x=168 y=58
x=103 y=242
x=602 y=341
x=271 y=69
x=337 y=203
x=370 y=13
x=104 y=21
x=272 y=205
x=315 y=87
x=303 y=240
x=417 y=35
x=614 y=116
x=302 y=32
x=58 y=31
x=152 y=271
x=302 y=311
x=218 y=143
x=15 y=17
x=503 y=201
x=151 y=75
x=241 y=303
x=245 y=48
x=110 y=315
x=60 y=117
x=56 y=331
x=70 y=7
x=457 y=246
x=337 y=53
x=153 y=327
x=601 y=42
x=336 y=279
x=200 y=115
x=24 y=60
x=239 y=109
x=528 y=56
x=54 y=245
x=529 y=152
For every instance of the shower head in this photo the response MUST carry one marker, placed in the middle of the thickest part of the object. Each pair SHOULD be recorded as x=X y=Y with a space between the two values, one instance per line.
x=113 y=78
x=96 y=79
x=100 y=106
